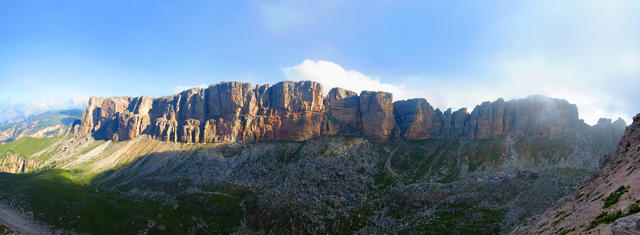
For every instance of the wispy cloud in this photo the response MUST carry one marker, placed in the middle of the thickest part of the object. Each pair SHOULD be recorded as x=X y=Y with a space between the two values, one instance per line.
x=283 y=16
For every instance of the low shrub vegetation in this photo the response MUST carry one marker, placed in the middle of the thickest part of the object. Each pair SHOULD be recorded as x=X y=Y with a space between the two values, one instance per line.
x=606 y=218
x=614 y=197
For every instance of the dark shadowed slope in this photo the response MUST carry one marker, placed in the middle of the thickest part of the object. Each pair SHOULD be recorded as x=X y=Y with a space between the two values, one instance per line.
x=605 y=205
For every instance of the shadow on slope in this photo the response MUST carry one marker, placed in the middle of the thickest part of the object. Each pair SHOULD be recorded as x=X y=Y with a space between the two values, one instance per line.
x=323 y=185
x=431 y=185
x=54 y=198
x=262 y=171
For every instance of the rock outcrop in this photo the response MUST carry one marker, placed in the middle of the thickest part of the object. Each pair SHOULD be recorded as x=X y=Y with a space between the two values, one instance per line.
x=343 y=115
x=533 y=116
x=415 y=119
x=238 y=112
x=607 y=204
x=13 y=163
x=378 y=120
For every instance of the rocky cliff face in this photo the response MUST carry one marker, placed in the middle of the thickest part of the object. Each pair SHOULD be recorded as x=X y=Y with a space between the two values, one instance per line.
x=238 y=112
x=533 y=116
x=13 y=163
x=608 y=204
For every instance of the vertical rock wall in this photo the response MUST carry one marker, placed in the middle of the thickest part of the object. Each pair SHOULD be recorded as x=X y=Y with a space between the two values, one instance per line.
x=239 y=112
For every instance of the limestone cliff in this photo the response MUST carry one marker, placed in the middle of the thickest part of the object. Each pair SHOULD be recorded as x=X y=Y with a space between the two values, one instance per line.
x=239 y=112
x=13 y=163
x=533 y=116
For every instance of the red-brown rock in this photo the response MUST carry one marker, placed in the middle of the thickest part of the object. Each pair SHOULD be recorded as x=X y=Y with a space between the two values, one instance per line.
x=378 y=120
x=238 y=112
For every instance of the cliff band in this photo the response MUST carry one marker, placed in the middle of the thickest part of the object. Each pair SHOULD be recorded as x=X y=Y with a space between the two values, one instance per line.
x=297 y=111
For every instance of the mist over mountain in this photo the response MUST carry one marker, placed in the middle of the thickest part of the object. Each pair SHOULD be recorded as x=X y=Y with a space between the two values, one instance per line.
x=16 y=111
x=10 y=113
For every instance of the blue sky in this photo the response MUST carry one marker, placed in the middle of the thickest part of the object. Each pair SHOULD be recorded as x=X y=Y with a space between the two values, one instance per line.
x=54 y=54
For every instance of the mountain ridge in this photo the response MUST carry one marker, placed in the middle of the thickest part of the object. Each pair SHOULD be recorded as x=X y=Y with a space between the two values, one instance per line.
x=45 y=124
x=240 y=112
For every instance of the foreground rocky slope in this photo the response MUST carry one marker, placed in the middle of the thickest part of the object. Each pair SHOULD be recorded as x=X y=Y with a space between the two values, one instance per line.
x=323 y=185
x=607 y=204
x=237 y=112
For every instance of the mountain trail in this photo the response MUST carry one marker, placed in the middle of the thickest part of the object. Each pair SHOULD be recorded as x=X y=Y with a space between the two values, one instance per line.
x=387 y=164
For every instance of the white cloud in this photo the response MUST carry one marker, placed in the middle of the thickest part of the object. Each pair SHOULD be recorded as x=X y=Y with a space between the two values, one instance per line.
x=446 y=93
x=332 y=75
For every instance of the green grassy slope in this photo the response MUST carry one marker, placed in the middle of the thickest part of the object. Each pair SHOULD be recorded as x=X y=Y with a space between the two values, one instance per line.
x=56 y=199
x=27 y=146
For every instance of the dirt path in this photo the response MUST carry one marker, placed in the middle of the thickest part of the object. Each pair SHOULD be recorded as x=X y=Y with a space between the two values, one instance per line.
x=18 y=223
x=387 y=163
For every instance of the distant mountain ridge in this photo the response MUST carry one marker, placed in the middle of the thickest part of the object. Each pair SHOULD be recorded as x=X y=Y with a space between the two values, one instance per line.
x=41 y=125
x=239 y=112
